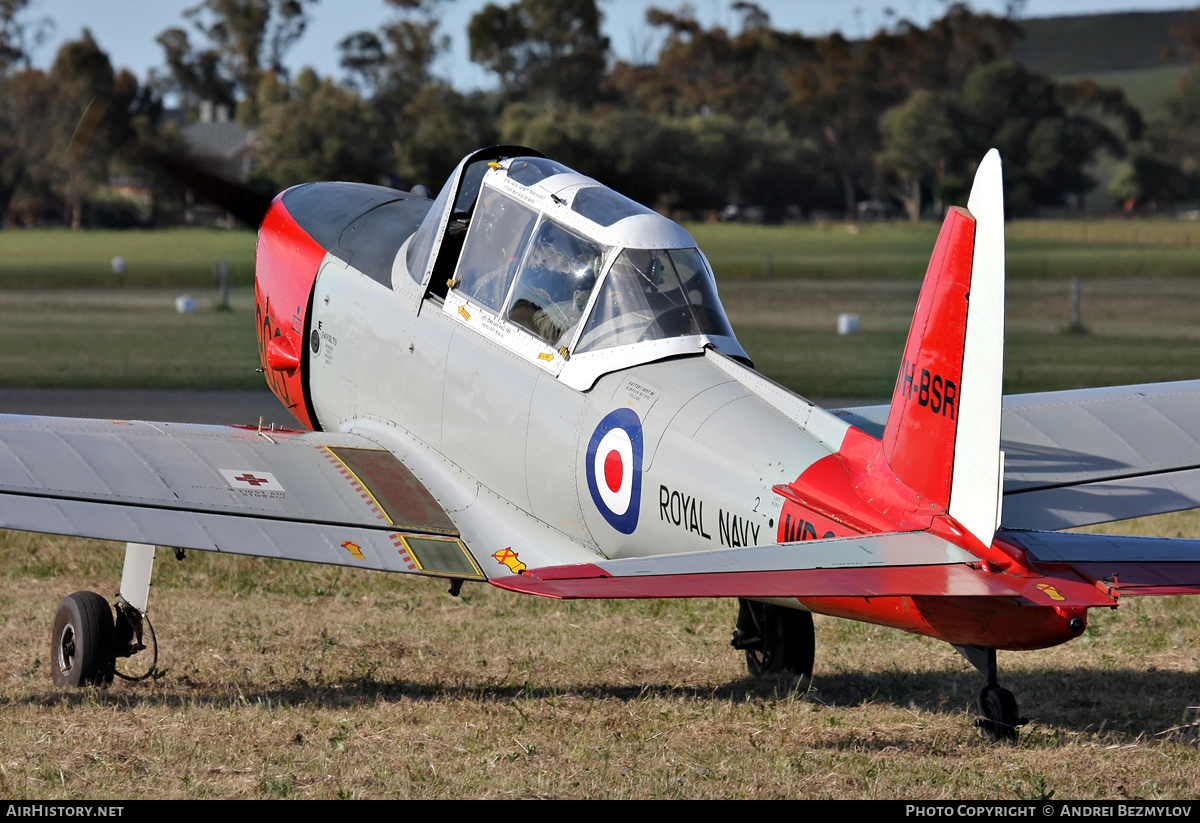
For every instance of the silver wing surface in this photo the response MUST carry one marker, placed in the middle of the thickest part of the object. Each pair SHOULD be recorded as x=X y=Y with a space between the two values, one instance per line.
x=1077 y=458
x=310 y=496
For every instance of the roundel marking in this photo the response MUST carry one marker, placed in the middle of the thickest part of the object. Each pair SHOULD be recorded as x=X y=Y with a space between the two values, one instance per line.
x=614 y=469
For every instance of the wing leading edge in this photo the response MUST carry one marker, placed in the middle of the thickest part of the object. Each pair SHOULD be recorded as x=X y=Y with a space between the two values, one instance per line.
x=315 y=497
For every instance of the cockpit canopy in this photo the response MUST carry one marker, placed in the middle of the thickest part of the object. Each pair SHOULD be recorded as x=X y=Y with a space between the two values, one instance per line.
x=594 y=280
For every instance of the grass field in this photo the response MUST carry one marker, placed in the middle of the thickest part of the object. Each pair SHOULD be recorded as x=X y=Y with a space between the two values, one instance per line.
x=289 y=680
x=1036 y=249
x=126 y=338
x=1139 y=305
x=284 y=680
x=175 y=258
x=1137 y=330
x=1103 y=247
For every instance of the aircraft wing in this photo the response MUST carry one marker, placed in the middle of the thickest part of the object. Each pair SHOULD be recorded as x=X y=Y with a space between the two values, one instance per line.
x=878 y=565
x=311 y=496
x=1077 y=458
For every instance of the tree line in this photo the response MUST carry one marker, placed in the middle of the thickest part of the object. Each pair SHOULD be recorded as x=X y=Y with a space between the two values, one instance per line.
x=750 y=115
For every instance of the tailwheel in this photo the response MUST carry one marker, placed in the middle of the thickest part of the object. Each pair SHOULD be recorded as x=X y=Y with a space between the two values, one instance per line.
x=82 y=649
x=1000 y=716
x=775 y=639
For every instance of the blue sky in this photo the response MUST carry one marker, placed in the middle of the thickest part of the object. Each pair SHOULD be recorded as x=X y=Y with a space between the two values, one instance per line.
x=126 y=29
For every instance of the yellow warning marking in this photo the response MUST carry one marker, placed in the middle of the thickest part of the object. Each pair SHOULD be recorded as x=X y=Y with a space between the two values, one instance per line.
x=353 y=548
x=463 y=311
x=545 y=356
x=1050 y=591
x=508 y=557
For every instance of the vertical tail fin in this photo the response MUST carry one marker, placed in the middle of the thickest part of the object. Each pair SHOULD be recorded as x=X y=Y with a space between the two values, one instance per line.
x=943 y=431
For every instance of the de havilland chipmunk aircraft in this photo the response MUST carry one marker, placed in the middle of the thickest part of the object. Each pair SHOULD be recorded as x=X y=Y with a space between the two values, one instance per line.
x=530 y=381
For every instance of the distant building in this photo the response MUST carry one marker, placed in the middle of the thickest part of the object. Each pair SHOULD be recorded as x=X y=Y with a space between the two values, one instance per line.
x=220 y=146
x=219 y=143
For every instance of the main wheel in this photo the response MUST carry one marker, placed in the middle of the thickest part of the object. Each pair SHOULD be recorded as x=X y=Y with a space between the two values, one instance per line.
x=1000 y=716
x=81 y=642
x=775 y=639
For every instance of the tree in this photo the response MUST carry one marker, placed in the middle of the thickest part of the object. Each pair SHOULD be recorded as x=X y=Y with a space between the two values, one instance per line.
x=82 y=73
x=547 y=50
x=19 y=37
x=941 y=57
x=319 y=131
x=429 y=124
x=838 y=97
x=26 y=115
x=920 y=137
x=1044 y=131
x=394 y=67
x=243 y=40
x=21 y=101
x=702 y=70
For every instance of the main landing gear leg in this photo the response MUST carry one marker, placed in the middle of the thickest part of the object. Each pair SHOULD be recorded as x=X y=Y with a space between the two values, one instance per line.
x=86 y=640
x=775 y=639
x=1000 y=715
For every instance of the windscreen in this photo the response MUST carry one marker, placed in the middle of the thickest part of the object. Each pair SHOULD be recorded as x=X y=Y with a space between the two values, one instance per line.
x=651 y=294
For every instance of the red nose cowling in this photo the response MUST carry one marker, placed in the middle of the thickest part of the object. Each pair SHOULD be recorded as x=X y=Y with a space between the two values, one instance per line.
x=286 y=263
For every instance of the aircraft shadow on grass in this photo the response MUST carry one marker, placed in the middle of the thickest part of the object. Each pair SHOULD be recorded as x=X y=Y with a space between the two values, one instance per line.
x=1069 y=700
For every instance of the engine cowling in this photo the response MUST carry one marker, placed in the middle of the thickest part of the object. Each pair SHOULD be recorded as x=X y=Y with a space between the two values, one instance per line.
x=286 y=263
x=364 y=226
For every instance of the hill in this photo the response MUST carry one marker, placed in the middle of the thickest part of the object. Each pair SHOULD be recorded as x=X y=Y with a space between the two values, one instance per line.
x=1094 y=43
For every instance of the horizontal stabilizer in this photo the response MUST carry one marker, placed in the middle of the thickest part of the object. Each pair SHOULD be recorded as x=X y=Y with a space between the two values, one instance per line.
x=1128 y=566
x=1087 y=456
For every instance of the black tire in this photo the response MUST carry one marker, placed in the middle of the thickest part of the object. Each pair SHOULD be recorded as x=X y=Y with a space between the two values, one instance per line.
x=1000 y=716
x=785 y=639
x=81 y=641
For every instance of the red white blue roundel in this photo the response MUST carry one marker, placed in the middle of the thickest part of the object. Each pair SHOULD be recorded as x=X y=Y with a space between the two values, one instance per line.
x=614 y=469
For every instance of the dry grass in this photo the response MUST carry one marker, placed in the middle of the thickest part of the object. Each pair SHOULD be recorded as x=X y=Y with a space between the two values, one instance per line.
x=290 y=680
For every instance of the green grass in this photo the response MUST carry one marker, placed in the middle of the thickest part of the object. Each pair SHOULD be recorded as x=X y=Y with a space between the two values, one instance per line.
x=126 y=338
x=184 y=258
x=1139 y=330
x=1141 y=307
x=178 y=258
x=1109 y=247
